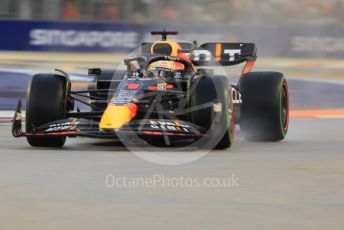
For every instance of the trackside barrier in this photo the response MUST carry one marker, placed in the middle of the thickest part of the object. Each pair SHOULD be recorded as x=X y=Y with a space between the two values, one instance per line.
x=58 y=36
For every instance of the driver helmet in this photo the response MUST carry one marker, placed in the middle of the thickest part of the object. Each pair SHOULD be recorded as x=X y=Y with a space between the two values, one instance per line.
x=170 y=48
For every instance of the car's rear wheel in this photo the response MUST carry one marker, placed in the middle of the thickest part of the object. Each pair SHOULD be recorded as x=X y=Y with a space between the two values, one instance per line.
x=46 y=102
x=265 y=106
x=216 y=119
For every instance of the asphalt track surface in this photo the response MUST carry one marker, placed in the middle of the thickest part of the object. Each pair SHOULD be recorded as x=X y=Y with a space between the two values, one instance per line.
x=294 y=184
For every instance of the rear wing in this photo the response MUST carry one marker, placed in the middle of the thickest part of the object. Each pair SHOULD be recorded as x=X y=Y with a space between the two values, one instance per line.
x=212 y=54
x=225 y=54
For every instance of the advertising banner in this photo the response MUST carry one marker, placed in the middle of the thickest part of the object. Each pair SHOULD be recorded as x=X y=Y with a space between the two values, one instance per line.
x=315 y=42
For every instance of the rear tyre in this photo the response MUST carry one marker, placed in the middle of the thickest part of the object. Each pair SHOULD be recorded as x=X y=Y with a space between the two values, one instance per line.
x=219 y=124
x=265 y=106
x=46 y=102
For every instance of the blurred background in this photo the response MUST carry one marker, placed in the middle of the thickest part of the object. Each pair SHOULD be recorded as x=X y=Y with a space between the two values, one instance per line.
x=287 y=28
x=223 y=12
x=302 y=38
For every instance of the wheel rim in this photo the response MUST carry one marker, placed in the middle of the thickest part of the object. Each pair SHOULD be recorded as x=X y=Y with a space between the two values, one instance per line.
x=285 y=107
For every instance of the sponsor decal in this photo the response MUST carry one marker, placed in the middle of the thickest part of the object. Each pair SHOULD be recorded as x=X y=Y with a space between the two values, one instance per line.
x=168 y=65
x=178 y=75
x=161 y=86
x=135 y=75
x=236 y=96
x=169 y=125
x=63 y=126
x=74 y=38
x=18 y=116
x=217 y=107
x=232 y=53
x=207 y=55
x=318 y=44
x=124 y=96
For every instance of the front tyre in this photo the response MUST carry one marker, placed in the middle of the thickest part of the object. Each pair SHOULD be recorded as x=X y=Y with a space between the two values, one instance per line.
x=46 y=102
x=265 y=106
x=217 y=119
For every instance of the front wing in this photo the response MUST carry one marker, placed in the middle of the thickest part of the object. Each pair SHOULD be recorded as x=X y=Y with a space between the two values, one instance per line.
x=82 y=127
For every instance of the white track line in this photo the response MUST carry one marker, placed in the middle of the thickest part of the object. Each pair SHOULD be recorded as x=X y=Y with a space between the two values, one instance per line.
x=330 y=117
x=74 y=76
x=316 y=80
x=7 y=113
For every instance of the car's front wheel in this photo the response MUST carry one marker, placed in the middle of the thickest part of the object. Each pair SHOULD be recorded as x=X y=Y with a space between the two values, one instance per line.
x=217 y=117
x=46 y=102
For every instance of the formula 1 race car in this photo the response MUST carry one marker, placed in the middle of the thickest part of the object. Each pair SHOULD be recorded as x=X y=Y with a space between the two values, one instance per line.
x=165 y=94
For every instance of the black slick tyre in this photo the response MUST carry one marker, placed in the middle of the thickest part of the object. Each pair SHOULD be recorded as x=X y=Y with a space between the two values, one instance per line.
x=46 y=102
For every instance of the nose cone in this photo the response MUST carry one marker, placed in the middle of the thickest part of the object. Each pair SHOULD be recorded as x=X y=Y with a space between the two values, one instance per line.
x=116 y=116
